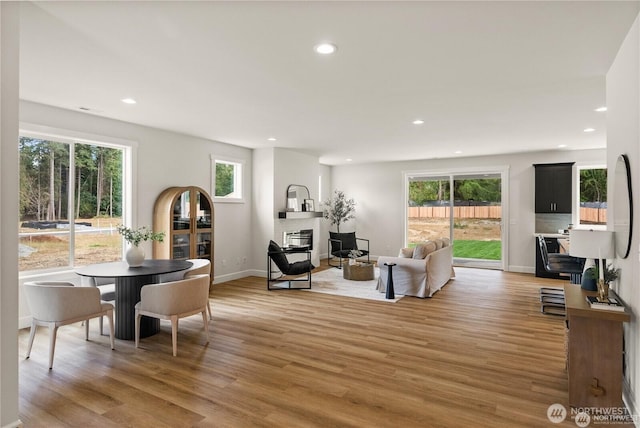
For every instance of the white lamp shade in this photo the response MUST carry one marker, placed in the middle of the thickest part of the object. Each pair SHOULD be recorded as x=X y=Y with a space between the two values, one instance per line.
x=591 y=244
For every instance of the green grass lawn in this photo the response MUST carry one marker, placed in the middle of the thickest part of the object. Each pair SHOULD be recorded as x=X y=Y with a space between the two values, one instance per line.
x=488 y=250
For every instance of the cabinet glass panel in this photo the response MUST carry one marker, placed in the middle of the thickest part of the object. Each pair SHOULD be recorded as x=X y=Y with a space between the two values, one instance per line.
x=181 y=244
x=203 y=244
x=181 y=211
x=203 y=212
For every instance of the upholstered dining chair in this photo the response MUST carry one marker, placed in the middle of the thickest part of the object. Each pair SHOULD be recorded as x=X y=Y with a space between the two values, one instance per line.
x=200 y=267
x=55 y=304
x=172 y=301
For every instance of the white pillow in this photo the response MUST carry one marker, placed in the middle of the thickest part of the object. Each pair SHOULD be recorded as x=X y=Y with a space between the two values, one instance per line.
x=406 y=253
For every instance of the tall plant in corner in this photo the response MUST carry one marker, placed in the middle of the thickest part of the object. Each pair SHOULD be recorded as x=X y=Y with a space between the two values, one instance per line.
x=338 y=209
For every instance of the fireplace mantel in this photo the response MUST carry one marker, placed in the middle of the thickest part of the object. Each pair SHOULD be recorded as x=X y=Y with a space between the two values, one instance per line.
x=299 y=214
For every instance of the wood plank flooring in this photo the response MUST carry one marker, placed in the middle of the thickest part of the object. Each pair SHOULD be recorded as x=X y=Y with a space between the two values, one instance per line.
x=479 y=353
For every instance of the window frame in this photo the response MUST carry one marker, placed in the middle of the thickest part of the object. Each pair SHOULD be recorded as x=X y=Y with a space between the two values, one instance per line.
x=71 y=137
x=238 y=177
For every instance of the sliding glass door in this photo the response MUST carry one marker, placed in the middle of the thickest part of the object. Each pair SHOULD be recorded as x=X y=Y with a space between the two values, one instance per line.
x=465 y=207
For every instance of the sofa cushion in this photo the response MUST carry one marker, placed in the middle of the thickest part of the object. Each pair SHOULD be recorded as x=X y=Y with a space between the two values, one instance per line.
x=445 y=242
x=422 y=250
x=406 y=253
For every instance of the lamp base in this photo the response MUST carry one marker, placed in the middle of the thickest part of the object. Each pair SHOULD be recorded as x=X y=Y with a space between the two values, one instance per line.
x=603 y=290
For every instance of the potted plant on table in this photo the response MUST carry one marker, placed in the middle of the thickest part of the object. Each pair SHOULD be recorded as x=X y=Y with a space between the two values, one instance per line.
x=135 y=255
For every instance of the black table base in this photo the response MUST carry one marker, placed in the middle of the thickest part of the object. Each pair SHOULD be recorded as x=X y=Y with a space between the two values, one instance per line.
x=127 y=296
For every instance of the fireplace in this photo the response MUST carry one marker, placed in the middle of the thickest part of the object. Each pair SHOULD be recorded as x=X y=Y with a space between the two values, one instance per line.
x=298 y=239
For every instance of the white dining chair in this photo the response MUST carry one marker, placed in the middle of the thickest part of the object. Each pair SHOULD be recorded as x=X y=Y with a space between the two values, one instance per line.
x=55 y=304
x=200 y=267
x=172 y=301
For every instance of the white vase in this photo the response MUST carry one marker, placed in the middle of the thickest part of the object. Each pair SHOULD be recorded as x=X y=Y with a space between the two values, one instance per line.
x=135 y=256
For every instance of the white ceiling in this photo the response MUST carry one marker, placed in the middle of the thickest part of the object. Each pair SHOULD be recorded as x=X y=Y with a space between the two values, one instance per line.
x=486 y=77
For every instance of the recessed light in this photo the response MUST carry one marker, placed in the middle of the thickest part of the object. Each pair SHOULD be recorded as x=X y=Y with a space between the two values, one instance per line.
x=418 y=122
x=562 y=146
x=457 y=152
x=128 y=101
x=349 y=160
x=271 y=139
x=601 y=109
x=589 y=130
x=325 y=48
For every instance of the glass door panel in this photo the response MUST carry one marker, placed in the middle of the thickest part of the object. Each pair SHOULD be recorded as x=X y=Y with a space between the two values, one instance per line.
x=429 y=210
x=477 y=219
x=203 y=245
x=181 y=245
x=203 y=212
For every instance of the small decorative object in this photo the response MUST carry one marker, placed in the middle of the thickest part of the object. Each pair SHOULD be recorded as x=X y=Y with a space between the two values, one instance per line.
x=590 y=279
x=309 y=205
x=339 y=209
x=605 y=277
x=353 y=255
x=135 y=255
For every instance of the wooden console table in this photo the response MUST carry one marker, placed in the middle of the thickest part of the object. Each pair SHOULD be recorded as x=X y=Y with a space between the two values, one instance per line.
x=594 y=360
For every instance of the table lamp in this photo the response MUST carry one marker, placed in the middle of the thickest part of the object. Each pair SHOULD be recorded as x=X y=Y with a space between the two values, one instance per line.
x=592 y=244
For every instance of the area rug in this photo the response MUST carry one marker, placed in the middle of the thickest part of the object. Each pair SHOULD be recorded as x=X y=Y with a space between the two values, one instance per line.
x=330 y=281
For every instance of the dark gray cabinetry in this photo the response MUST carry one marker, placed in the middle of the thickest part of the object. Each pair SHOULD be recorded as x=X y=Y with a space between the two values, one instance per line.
x=553 y=188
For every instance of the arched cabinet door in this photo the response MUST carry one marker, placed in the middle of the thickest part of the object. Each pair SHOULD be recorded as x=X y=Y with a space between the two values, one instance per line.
x=185 y=214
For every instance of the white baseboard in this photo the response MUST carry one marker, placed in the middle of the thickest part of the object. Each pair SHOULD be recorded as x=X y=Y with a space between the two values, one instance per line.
x=14 y=424
x=522 y=269
x=217 y=279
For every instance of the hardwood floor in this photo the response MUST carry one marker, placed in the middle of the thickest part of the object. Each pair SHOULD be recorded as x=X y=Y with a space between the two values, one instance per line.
x=479 y=353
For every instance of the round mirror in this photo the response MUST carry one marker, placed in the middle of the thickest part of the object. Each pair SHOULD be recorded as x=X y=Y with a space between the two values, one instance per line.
x=622 y=207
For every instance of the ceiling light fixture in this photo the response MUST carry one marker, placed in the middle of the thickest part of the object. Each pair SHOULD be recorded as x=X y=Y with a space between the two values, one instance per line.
x=271 y=139
x=128 y=101
x=325 y=48
x=589 y=130
x=349 y=160
x=601 y=109
x=562 y=146
x=457 y=152
x=418 y=122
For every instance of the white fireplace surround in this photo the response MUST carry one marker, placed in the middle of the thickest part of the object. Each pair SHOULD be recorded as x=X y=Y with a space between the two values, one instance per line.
x=294 y=225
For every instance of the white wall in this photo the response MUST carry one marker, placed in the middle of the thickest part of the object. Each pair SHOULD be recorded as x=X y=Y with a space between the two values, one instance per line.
x=274 y=170
x=623 y=136
x=378 y=191
x=325 y=192
x=9 y=161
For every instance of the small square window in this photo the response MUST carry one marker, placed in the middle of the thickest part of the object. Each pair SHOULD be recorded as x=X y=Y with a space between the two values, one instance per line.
x=227 y=181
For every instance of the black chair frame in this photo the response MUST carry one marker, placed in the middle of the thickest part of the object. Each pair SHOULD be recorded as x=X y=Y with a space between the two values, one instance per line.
x=285 y=277
x=340 y=258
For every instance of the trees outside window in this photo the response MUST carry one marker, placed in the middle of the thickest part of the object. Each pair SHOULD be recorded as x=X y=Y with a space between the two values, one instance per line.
x=70 y=203
x=227 y=180
x=593 y=196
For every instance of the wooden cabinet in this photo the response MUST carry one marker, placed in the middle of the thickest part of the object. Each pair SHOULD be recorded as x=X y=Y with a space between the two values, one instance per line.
x=553 y=188
x=185 y=214
x=594 y=351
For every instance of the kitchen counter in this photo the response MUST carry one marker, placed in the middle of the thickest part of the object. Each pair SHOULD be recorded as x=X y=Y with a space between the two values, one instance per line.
x=552 y=235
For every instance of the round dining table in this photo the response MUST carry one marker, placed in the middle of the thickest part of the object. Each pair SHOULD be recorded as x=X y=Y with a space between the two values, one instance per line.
x=129 y=281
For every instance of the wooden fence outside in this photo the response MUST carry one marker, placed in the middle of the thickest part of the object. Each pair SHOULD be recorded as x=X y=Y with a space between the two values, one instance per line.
x=587 y=215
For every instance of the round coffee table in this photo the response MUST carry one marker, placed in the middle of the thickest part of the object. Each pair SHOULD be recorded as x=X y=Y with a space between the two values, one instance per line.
x=358 y=272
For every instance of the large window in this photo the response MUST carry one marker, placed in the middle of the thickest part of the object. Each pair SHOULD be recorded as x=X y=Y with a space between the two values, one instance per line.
x=71 y=200
x=592 y=196
x=227 y=180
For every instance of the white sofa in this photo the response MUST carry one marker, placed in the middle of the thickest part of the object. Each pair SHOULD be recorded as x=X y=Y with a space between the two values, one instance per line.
x=416 y=276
